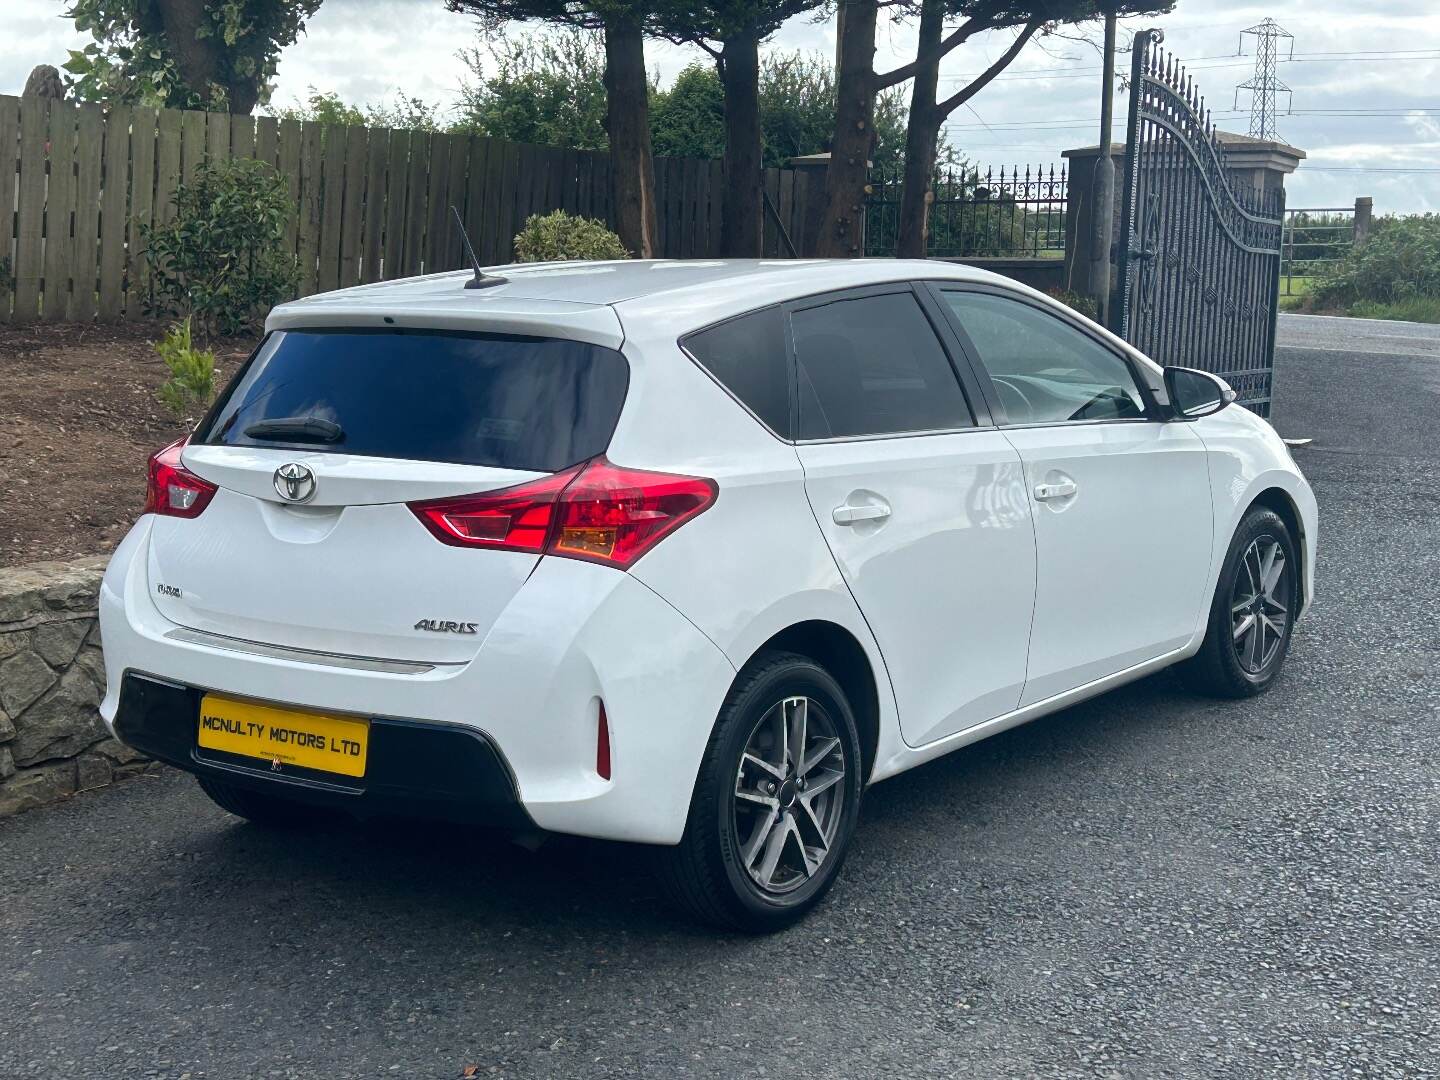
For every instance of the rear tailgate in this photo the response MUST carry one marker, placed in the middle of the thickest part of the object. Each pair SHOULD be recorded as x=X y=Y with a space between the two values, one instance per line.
x=338 y=563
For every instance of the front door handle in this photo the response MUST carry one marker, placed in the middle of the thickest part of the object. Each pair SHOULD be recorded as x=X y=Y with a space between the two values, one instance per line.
x=853 y=515
x=1062 y=489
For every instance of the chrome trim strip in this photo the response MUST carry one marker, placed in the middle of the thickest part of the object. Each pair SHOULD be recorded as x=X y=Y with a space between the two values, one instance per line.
x=301 y=656
x=884 y=435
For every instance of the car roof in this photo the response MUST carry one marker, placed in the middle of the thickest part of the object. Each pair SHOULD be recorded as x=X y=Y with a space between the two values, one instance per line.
x=587 y=301
x=659 y=285
x=598 y=301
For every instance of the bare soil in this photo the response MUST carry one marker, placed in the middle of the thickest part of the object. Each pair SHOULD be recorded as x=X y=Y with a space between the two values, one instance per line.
x=78 y=418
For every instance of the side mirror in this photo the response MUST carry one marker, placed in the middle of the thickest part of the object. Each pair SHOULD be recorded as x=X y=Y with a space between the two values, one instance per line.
x=1194 y=393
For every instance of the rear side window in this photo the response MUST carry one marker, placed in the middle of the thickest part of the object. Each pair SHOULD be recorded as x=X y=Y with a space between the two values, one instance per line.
x=746 y=355
x=872 y=365
x=512 y=402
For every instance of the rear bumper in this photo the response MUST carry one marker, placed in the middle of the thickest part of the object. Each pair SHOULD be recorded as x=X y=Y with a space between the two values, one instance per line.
x=574 y=636
x=417 y=769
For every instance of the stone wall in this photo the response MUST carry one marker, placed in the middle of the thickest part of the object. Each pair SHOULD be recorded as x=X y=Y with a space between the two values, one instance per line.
x=52 y=741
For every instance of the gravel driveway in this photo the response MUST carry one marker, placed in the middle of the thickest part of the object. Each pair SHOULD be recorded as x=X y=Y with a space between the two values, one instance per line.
x=1146 y=885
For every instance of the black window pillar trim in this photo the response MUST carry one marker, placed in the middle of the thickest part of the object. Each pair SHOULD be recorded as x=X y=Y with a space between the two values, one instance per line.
x=970 y=388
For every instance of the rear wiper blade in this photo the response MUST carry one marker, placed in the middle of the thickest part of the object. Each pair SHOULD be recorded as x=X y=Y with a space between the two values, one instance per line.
x=298 y=429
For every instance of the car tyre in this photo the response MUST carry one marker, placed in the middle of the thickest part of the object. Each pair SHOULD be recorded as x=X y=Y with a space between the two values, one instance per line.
x=258 y=808
x=769 y=827
x=1252 y=612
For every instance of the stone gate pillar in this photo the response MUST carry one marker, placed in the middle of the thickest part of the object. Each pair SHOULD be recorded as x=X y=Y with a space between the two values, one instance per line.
x=1261 y=164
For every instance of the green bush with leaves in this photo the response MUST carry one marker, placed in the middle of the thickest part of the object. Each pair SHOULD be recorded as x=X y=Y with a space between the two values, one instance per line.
x=556 y=236
x=222 y=258
x=191 y=386
x=1399 y=262
x=326 y=107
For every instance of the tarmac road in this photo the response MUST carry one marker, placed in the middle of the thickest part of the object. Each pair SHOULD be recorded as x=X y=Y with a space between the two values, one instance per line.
x=1146 y=885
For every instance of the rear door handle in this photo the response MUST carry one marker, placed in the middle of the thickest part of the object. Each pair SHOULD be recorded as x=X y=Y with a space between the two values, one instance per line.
x=1060 y=490
x=852 y=515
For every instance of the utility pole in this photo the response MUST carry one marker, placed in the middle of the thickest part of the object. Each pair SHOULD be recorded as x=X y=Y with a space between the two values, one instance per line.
x=1103 y=186
x=1265 y=84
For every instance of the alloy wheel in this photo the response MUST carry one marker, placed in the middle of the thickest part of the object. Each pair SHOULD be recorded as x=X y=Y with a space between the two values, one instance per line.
x=1260 y=604
x=789 y=795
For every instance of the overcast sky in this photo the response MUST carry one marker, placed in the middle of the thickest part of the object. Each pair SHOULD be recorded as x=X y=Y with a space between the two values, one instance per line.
x=1366 y=84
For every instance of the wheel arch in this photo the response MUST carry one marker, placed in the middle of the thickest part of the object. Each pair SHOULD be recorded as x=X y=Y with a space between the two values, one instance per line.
x=840 y=653
x=1278 y=500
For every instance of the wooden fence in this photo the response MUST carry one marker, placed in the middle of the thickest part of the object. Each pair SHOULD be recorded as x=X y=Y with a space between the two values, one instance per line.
x=370 y=203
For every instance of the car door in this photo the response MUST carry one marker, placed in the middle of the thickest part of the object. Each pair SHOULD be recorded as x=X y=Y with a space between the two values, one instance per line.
x=922 y=503
x=1121 y=498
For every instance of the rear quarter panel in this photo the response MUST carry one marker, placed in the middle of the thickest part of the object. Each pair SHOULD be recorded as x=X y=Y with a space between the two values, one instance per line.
x=756 y=562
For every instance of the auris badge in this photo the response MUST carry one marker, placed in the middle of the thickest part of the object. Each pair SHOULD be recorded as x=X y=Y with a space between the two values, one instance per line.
x=295 y=482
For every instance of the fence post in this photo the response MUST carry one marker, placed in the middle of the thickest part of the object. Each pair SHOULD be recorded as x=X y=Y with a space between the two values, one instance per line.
x=810 y=173
x=1364 y=209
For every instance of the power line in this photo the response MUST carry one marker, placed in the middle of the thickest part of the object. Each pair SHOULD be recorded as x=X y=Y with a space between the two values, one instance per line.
x=1362 y=52
x=1368 y=59
x=1378 y=114
x=1366 y=169
x=1074 y=72
x=1043 y=74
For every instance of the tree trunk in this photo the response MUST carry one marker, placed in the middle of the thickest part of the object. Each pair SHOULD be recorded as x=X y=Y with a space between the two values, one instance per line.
x=627 y=121
x=197 y=59
x=743 y=218
x=242 y=95
x=921 y=136
x=838 y=229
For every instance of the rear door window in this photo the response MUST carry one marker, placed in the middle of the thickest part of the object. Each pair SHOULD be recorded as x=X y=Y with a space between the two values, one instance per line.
x=747 y=356
x=872 y=365
x=512 y=402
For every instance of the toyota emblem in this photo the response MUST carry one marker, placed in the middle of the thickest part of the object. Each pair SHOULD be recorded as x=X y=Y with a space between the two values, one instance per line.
x=295 y=482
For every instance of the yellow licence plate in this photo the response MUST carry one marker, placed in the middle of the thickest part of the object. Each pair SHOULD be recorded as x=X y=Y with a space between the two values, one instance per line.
x=334 y=744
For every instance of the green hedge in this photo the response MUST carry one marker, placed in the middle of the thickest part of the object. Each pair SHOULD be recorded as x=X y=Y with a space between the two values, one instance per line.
x=1399 y=262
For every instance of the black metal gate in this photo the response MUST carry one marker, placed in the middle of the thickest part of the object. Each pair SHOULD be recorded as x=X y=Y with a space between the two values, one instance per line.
x=1199 y=265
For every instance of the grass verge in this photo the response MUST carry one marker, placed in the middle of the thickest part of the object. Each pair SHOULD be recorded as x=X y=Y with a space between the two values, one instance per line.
x=1424 y=309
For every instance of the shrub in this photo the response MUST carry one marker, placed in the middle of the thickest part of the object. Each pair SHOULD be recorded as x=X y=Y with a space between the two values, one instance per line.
x=1076 y=301
x=191 y=386
x=1398 y=262
x=221 y=258
x=548 y=237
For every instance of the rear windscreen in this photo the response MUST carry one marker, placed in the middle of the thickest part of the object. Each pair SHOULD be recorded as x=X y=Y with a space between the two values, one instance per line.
x=538 y=404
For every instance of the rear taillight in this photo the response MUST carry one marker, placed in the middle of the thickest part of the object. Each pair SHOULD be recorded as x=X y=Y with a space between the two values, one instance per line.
x=597 y=511
x=511 y=519
x=173 y=490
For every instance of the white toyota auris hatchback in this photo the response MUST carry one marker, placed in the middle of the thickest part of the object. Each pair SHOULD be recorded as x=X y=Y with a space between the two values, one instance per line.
x=683 y=553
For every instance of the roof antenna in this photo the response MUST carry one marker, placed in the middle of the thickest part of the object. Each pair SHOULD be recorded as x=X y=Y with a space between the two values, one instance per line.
x=481 y=280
